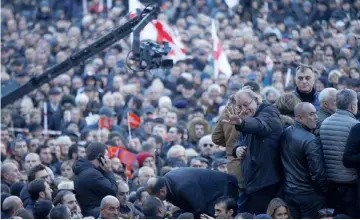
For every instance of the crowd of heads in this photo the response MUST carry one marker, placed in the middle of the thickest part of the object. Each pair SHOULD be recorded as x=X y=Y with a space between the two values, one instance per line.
x=276 y=49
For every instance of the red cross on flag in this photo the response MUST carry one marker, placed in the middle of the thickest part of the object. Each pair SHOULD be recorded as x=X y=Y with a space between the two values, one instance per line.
x=221 y=63
x=160 y=31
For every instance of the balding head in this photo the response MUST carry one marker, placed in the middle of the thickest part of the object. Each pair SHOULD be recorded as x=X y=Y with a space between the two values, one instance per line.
x=10 y=173
x=305 y=113
x=11 y=204
x=31 y=160
x=109 y=207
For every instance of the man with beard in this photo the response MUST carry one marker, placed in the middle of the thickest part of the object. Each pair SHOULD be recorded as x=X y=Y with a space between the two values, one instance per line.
x=206 y=147
x=197 y=129
x=39 y=189
x=68 y=199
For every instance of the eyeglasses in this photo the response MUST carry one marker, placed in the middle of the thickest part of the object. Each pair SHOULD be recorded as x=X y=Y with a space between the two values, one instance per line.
x=245 y=105
x=210 y=145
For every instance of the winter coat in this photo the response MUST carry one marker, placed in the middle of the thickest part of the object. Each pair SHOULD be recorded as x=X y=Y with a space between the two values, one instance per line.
x=261 y=135
x=322 y=114
x=334 y=133
x=92 y=185
x=196 y=190
x=351 y=157
x=226 y=135
x=302 y=160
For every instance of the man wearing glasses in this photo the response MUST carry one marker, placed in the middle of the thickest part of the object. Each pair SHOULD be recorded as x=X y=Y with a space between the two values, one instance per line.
x=257 y=147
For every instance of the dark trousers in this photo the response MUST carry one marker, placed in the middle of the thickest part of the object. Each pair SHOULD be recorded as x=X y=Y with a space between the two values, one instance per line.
x=343 y=198
x=257 y=202
x=304 y=205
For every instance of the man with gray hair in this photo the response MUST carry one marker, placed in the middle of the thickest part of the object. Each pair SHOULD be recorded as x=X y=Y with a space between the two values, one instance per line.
x=10 y=205
x=109 y=208
x=334 y=133
x=327 y=99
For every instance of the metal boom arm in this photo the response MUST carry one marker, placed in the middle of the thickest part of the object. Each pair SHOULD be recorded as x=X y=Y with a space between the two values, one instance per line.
x=76 y=59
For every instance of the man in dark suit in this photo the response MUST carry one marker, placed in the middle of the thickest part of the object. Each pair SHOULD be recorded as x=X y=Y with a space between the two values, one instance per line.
x=194 y=190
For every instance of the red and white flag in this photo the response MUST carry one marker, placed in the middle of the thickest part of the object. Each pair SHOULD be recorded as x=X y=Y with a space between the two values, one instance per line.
x=221 y=63
x=160 y=31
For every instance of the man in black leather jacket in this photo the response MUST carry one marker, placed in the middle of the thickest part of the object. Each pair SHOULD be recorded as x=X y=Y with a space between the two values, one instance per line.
x=302 y=158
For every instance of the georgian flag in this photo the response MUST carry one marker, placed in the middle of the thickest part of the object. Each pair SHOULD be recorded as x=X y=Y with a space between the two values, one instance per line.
x=160 y=31
x=221 y=63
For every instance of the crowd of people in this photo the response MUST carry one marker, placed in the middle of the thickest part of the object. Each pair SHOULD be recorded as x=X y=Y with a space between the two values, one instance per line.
x=277 y=139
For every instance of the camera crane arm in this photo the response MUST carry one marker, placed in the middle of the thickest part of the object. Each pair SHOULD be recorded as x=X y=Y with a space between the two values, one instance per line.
x=133 y=25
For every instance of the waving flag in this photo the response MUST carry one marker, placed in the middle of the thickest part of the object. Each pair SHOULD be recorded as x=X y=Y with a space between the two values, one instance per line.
x=134 y=120
x=221 y=63
x=126 y=157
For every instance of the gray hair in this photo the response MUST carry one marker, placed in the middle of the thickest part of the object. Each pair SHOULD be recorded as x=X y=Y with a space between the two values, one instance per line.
x=324 y=94
x=345 y=98
x=250 y=93
x=173 y=150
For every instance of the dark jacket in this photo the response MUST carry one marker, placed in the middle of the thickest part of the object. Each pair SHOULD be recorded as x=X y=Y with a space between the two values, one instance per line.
x=322 y=114
x=302 y=158
x=92 y=185
x=312 y=97
x=261 y=135
x=25 y=196
x=195 y=190
x=351 y=157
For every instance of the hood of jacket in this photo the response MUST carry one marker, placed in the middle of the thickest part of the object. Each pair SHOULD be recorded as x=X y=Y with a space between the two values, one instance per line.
x=286 y=120
x=81 y=165
x=191 y=128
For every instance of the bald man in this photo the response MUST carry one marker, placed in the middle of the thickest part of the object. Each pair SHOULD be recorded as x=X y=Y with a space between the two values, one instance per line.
x=10 y=174
x=31 y=160
x=10 y=206
x=109 y=208
x=302 y=158
x=127 y=209
x=194 y=190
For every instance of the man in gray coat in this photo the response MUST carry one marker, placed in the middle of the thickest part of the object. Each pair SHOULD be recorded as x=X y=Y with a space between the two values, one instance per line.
x=334 y=132
x=327 y=99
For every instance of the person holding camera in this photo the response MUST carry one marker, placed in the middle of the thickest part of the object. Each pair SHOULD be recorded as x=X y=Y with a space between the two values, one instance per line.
x=94 y=179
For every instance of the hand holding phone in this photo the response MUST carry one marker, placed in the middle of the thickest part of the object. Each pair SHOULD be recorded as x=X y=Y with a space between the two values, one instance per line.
x=105 y=163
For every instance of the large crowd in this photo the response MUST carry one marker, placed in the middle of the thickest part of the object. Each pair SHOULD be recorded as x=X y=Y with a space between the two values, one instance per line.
x=278 y=139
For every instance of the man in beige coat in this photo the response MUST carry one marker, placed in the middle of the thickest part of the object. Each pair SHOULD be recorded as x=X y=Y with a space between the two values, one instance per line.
x=226 y=135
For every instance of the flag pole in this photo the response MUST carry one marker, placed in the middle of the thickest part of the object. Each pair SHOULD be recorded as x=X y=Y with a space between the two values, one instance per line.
x=129 y=127
x=45 y=118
